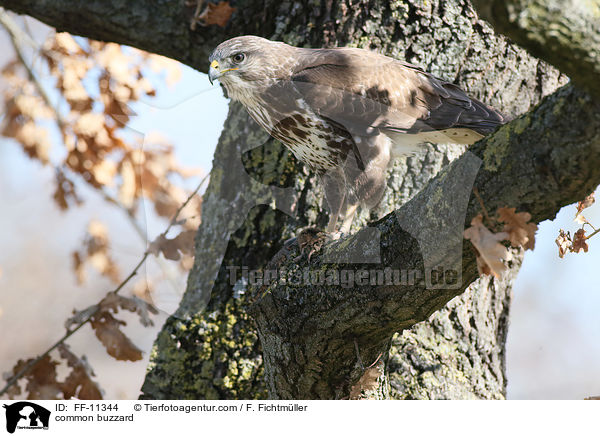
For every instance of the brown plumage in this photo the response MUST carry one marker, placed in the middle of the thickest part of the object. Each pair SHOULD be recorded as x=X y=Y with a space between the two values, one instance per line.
x=346 y=112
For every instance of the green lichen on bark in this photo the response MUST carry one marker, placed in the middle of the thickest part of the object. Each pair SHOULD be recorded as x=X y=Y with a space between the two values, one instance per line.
x=564 y=33
x=226 y=362
x=449 y=356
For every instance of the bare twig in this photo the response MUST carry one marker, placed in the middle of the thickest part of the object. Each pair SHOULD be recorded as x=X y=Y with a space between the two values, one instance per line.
x=140 y=231
x=592 y=234
x=26 y=368
x=194 y=20
x=360 y=364
x=485 y=212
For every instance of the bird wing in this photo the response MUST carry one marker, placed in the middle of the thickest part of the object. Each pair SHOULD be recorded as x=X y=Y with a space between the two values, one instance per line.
x=367 y=93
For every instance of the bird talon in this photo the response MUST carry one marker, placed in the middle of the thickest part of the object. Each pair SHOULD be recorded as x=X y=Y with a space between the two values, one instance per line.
x=310 y=241
x=289 y=242
x=336 y=236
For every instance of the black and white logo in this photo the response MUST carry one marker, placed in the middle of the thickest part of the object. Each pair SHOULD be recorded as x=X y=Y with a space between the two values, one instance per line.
x=26 y=415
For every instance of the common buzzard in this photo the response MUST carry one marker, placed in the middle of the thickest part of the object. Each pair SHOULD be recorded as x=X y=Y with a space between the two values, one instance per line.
x=346 y=112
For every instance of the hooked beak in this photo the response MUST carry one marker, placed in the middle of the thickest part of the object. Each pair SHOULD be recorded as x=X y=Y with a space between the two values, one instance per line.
x=213 y=72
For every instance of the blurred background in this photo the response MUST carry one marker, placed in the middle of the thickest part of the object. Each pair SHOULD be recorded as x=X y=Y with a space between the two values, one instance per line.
x=554 y=337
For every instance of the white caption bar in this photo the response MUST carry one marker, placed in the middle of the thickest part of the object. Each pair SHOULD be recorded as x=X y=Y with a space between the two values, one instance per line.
x=280 y=417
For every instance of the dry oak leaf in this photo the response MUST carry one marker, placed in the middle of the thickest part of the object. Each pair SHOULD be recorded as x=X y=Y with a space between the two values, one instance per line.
x=585 y=203
x=119 y=346
x=79 y=382
x=65 y=193
x=41 y=380
x=368 y=382
x=65 y=44
x=521 y=233
x=579 y=242
x=580 y=219
x=114 y=301
x=172 y=249
x=216 y=13
x=80 y=316
x=564 y=243
x=95 y=253
x=108 y=328
x=490 y=253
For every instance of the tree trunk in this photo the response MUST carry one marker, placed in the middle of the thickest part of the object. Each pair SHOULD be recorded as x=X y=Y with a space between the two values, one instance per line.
x=459 y=352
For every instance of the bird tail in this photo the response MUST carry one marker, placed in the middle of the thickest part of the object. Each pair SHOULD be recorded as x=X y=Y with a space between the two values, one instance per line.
x=404 y=144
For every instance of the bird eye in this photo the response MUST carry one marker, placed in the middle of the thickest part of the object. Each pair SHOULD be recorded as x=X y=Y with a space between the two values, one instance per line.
x=238 y=57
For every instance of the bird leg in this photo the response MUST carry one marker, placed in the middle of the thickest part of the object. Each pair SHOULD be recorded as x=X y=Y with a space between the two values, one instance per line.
x=349 y=215
x=333 y=218
x=335 y=194
x=311 y=240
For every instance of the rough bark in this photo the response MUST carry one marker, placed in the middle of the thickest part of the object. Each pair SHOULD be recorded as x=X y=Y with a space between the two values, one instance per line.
x=209 y=348
x=158 y=26
x=564 y=33
x=308 y=331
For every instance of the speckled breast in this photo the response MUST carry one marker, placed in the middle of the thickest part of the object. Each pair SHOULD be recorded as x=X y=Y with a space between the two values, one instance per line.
x=311 y=139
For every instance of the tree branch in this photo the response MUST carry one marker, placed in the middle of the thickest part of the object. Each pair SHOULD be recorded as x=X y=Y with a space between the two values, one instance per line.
x=161 y=27
x=307 y=330
x=565 y=34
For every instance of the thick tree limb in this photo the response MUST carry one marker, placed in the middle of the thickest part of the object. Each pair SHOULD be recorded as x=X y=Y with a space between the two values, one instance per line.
x=565 y=34
x=308 y=331
x=161 y=27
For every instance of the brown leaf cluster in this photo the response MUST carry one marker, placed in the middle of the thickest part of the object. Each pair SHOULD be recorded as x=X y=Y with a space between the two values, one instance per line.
x=42 y=382
x=108 y=328
x=79 y=383
x=96 y=253
x=25 y=114
x=97 y=82
x=565 y=243
x=521 y=233
x=585 y=203
x=491 y=255
x=146 y=173
x=216 y=13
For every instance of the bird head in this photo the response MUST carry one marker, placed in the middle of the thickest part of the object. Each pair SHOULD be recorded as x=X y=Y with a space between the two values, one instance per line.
x=246 y=62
